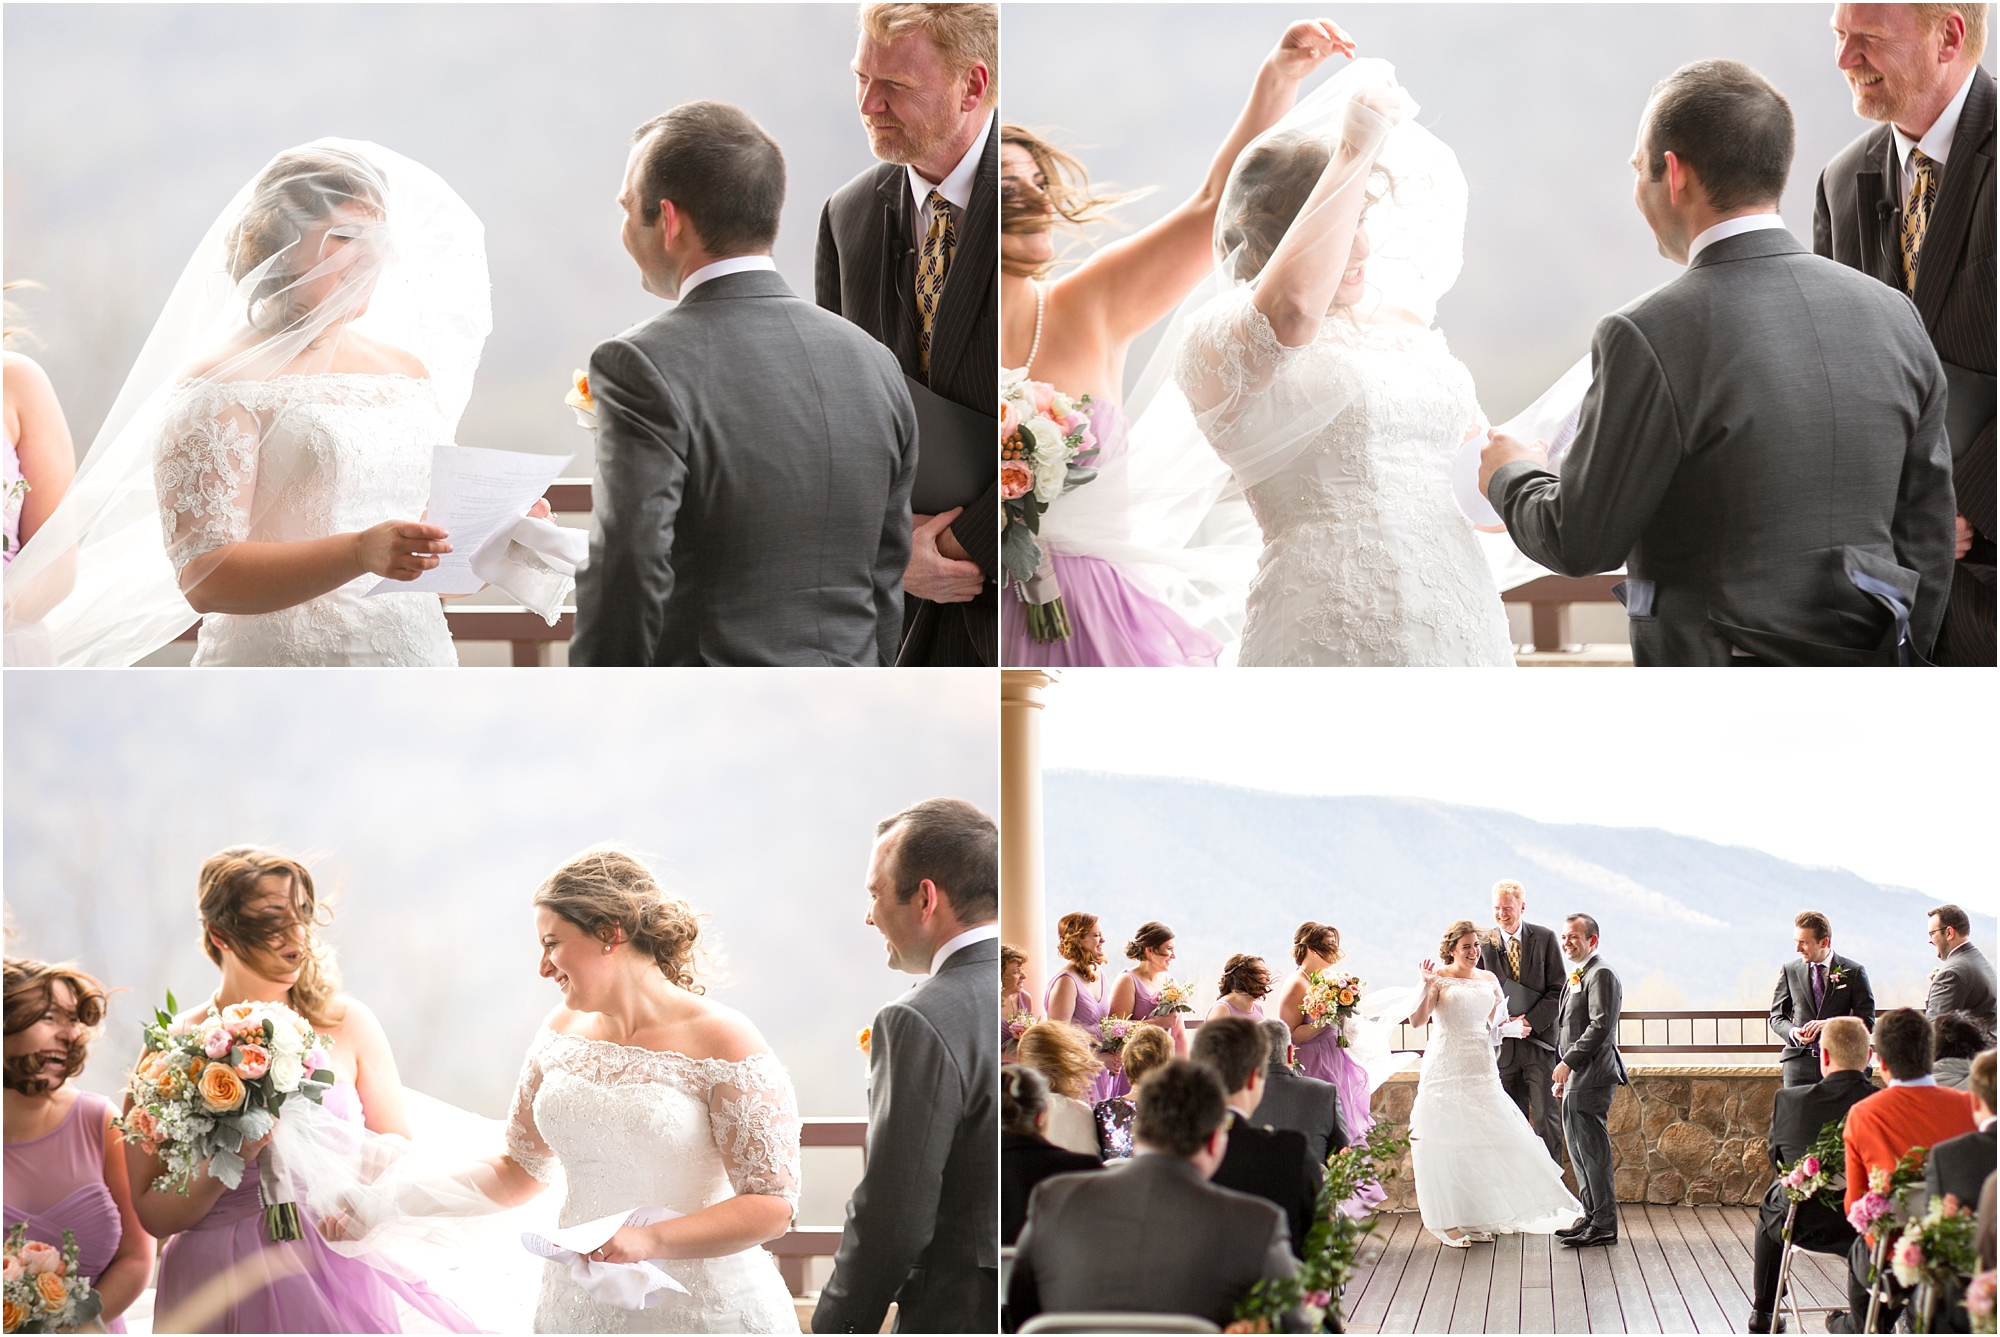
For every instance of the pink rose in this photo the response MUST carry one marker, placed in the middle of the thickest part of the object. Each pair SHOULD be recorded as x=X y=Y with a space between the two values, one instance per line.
x=10 y=1269
x=1042 y=395
x=39 y=1259
x=1016 y=479
x=217 y=1042
x=1811 y=1166
x=1009 y=420
x=317 y=1061
x=251 y=1062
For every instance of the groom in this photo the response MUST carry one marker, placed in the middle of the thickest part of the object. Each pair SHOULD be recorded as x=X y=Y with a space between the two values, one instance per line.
x=754 y=454
x=1590 y=1073
x=922 y=1224
x=1763 y=443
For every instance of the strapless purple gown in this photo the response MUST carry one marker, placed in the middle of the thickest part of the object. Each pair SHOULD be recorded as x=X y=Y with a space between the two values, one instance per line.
x=55 y=1182
x=1322 y=1057
x=1116 y=623
x=1089 y=1011
x=332 y=1293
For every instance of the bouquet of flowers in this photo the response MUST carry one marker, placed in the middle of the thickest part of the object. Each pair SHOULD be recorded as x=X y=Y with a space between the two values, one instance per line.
x=1812 y=1175
x=1937 y=1246
x=1979 y=1302
x=203 y=1089
x=43 y=1291
x=1015 y=1023
x=1885 y=1192
x=1172 y=998
x=1046 y=445
x=11 y=503
x=1330 y=1000
x=1113 y=1032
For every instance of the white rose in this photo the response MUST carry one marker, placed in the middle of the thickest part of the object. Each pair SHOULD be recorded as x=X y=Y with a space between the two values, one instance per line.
x=1048 y=439
x=1061 y=405
x=1050 y=471
x=286 y=1039
x=287 y=1070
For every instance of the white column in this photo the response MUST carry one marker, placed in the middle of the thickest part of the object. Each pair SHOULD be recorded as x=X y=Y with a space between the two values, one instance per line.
x=1023 y=907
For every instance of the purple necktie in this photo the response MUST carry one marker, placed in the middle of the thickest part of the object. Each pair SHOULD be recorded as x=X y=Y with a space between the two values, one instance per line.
x=1819 y=984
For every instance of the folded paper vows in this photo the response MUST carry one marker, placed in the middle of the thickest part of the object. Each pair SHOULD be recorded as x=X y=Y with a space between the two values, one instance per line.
x=1552 y=419
x=620 y=1285
x=475 y=494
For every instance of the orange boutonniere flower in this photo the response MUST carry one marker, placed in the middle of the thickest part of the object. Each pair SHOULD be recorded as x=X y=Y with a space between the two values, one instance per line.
x=862 y=1037
x=579 y=394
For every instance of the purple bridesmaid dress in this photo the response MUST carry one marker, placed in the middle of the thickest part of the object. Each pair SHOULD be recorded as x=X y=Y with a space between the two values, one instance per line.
x=1089 y=1011
x=1322 y=1057
x=1116 y=623
x=55 y=1182
x=331 y=1292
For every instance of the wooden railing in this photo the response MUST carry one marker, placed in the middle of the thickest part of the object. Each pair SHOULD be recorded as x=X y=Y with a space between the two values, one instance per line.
x=1679 y=1032
x=1548 y=599
x=797 y=1247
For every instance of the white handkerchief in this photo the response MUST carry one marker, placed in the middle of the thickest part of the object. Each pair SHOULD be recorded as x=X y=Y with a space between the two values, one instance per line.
x=475 y=493
x=1552 y=418
x=536 y=561
x=620 y=1285
x=1513 y=1030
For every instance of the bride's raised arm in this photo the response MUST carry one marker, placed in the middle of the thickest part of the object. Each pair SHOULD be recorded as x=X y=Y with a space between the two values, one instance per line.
x=1421 y=1014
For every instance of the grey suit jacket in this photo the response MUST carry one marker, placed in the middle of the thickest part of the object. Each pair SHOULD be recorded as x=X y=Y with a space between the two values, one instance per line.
x=1587 y=1031
x=1763 y=447
x=924 y=1220
x=752 y=501
x=1150 y=1236
x=1792 y=1003
x=1542 y=971
x=1963 y=982
x=1304 y=1105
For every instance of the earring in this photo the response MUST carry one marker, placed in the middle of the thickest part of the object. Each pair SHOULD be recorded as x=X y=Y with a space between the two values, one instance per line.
x=607 y=948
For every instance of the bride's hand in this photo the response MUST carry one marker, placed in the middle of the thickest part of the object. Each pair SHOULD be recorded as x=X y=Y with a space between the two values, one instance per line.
x=1306 y=46
x=1427 y=969
x=400 y=549
x=1371 y=114
x=632 y=1244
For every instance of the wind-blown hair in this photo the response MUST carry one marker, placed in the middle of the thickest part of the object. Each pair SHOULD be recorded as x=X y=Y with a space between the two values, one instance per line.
x=228 y=879
x=30 y=988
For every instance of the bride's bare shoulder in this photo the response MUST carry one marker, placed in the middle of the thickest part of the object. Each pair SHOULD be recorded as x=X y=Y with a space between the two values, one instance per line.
x=718 y=1032
x=385 y=358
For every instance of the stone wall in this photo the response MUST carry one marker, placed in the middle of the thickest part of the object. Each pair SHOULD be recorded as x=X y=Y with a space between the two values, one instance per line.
x=1679 y=1135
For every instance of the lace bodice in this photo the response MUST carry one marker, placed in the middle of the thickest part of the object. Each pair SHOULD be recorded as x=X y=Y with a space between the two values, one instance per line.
x=303 y=457
x=643 y=1128
x=1346 y=447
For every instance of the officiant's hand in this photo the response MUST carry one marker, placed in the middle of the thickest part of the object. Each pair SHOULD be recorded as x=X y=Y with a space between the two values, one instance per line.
x=399 y=549
x=1963 y=545
x=934 y=573
x=1502 y=450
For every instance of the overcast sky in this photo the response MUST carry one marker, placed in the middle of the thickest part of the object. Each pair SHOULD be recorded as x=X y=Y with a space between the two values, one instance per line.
x=1855 y=770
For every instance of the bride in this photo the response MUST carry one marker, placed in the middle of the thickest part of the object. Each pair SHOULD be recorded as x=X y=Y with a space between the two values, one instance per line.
x=1312 y=369
x=1481 y=1170
x=268 y=459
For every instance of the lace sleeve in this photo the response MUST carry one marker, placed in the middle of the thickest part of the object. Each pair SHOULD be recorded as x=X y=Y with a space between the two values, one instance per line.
x=754 y=1116
x=205 y=472
x=524 y=1140
x=1229 y=355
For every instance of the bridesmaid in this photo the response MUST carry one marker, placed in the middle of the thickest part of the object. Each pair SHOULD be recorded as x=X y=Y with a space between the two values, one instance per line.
x=1077 y=995
x=65 y=1162
x=1014 y=1000
x=1317 y=947
x=259 y=914
x=1073 y=332
x=1137 y=992
x=1246 y=982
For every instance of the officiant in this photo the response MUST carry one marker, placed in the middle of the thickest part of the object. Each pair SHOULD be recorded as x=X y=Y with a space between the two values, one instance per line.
x=1527 y=961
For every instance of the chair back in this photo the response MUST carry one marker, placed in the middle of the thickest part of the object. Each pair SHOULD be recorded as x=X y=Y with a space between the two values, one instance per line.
x=1084 y=1321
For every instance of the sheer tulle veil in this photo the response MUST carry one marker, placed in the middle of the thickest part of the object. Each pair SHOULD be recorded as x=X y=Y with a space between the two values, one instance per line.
x=330 y=236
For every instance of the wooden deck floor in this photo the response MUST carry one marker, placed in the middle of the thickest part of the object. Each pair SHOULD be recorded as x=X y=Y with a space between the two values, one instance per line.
x=1674 y=1269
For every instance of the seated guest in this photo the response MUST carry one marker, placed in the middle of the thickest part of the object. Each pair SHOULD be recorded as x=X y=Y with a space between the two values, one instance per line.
x=1201 y=1248
x=1914 y=1114
x=1026 y=1156
x=1983 y=1238
x=1264 y=1161
x=1960 y=1166
x=1798 y=1114
x=65 y=1163
x=1245 y=984
x=1145 y=1049
x=1062 y=1055
x=1956 y=1039
x=1303 y=1104
x=1014 y=1000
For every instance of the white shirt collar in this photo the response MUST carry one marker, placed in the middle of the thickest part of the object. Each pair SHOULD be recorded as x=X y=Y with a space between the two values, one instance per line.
x=1730 y=227
x=957 y=185
x=1936 y=142
x=984 y=933
x=1925 y=1080
x=735 y=264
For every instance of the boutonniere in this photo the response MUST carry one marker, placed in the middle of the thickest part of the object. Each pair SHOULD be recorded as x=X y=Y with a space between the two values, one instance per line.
x=1836 y=976
x=1576 y=977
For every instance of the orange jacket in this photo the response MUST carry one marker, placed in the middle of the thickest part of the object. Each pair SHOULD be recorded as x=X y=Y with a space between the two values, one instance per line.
x=1883 y=1128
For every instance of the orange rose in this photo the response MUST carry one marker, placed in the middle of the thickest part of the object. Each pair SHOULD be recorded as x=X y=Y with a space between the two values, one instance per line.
x=579 y=394
x=221 y=1089
x=862 y=1037
x=254 y=1063
x=15 y=1316
x=53 y=1290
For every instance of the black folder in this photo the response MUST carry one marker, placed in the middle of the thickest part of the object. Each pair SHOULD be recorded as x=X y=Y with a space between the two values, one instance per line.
x=958 y=451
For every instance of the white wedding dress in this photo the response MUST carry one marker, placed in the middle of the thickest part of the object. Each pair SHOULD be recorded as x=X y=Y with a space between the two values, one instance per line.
x=1367 y=559
x=641 y=1128
x=1479 y=1165
x=304 y=457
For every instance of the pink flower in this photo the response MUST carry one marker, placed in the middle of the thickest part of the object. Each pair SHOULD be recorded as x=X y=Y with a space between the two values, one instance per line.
x=1009 y=420
x=1979 y=1295
x=1042 y=395
x=10 y=1269
x=1811 y=1166
x=1016 y=479
x=39 y=1259
x=1867 y=1209
x=217 y=1042
x=252 y=1062
x=317 y=1061
x=1318 y=1299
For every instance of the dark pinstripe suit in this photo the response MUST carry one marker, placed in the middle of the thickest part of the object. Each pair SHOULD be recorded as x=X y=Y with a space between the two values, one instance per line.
x=1856 y=218
x=865 y=269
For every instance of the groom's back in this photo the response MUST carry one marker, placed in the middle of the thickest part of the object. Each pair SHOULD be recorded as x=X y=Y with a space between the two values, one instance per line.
x=765 y=451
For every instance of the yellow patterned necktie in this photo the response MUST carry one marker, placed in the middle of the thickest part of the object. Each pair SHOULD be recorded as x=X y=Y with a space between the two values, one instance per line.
x=1514 y=957
x=939 y=243
x=1917 y=214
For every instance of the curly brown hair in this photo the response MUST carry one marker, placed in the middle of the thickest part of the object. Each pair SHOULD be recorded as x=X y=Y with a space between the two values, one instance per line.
x=1321 y=938
x=30 y=992
x=1072 y=933
x=1459 y=928
x=612 y=896
x=1245 y=974
x=1277 y=178
x=228 y=880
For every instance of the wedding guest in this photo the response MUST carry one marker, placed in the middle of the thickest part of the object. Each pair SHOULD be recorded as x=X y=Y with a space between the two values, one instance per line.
x=1816 y=986
x=1316 y=947
x=1960 y=1166
x=1027 y=1157
x=1956 y=1039
x=1065 y=1060
x=1245 y=984
x=1136 y=995
x=1271 y=1163
x=919 y=1229
x=36 y=470
x=1798 y=1114
x=1078 y=994
x=1303 y=1104
x=1964 y=983
x=1984 y=1239
x=1146 y=1049
x=1527 y=961
x=1911 y=203
x=1017 y=1010
x=1074 y=1253
x=65 y=1162
x=1914 y=1113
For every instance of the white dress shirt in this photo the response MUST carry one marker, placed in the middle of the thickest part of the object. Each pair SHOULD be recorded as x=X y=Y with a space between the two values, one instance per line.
x=956 y=187
x=984 y=933
x=1936 y=142
x=735 y=264
x=1925 y=1080
x=1731 y=227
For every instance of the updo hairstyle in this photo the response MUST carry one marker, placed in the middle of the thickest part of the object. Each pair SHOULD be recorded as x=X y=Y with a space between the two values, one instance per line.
x=29 y=993
x=1275 y=180
x=1245 y=974
x=295 y=192
x=1459 y=928
x=1150 y=936
x=610 y=895
x=1321 y=938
